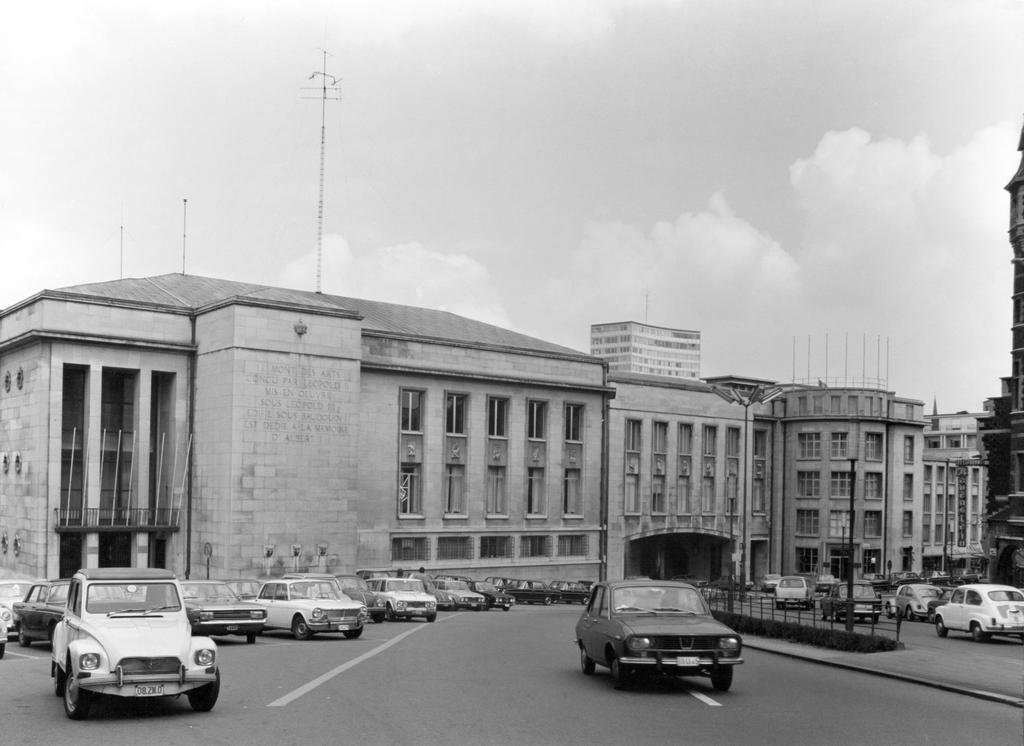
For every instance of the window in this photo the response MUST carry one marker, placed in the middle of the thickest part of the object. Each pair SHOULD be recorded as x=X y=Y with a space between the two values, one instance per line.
x=873 y=446
x=757 y=498
x=572 y=545
x=872 y=523
x=807 y=559
x=574 y=422
x=873 y=485
x=535 y=491
x=908 y=449
x=840 y=484
x=411 y=411
x=808 y=484
x=496 y=491
x=908 y=486
x=572 y=499
x=685 y=439
x=908 y=523
x=659 y=437
x=536 y=415
x=535 y=546
x=455 y=414
x=926 y=528
x=454 y=548
x=631 y=496
x=683 y=488
x=497 y=417
x=409 y=490
x=809 y=445
x=495 y=547
x=838 y=520
x=807 y=522
x=710 y=440
x=732 y=442
x=839 y=446
x=633 y=435
x=658 y=493
x=760 y=444
x=455 y=489
x=835 y=401
x=409 y=548
x=707 y=495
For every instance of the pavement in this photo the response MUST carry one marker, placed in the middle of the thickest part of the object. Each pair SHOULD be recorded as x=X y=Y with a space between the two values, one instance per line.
x=955 y=668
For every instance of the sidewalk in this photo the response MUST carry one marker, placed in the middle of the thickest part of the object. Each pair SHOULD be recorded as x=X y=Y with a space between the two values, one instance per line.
x=955 y=669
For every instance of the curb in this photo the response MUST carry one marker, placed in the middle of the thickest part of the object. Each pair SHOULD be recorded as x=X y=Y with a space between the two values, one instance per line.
x=955 y=688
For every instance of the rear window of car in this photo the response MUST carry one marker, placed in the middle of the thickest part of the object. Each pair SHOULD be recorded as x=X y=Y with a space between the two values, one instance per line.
x=791 y=583
x=1006 y=596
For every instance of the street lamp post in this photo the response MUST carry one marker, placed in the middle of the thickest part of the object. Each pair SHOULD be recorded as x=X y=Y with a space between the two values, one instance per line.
x=758 y=395
x=849 y=552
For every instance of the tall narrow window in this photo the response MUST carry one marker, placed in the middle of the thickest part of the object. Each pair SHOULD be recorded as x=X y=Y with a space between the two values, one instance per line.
x=658 y=493
x=455 y=489
x=574 y=423
x=411 y=411
x=455 y=414
x=572 y=499
x=496 y=491
x=873 y=446
x=409 y=490
x=839 y=445
x=536 y=418
x=908 y=449
x=631 y=494
x=497 y=417
x=535 y=491
x=633 y=436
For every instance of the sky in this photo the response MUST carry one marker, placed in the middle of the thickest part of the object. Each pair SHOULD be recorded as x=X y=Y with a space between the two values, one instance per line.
x=814 y=185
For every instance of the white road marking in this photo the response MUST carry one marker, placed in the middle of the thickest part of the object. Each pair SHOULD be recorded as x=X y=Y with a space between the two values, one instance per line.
x=705 y=699
x=306 y=688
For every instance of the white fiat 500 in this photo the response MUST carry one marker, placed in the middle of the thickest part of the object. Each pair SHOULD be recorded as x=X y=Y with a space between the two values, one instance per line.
x=125 y=633
x=983 y=610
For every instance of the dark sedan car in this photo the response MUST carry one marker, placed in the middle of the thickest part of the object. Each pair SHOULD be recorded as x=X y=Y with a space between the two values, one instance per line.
x=41 y=610
x=531 y=592
x=214 y=609
x=570 y=591
x=657 y=627
x=496 y=597
x=356 y=588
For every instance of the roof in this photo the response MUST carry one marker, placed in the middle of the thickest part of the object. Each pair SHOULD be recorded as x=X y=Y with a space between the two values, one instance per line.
x=126 y=573
x=192 y=293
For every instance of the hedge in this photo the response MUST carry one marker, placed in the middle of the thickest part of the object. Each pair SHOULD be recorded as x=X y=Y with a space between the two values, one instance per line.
x=823 y=637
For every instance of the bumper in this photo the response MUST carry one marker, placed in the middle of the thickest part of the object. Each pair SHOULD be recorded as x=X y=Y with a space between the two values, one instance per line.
x=227 y=628
x=129 y=686
x=334 y=625
x=680 y=665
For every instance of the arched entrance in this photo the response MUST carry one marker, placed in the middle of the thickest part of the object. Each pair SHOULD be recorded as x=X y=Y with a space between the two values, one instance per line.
x=667 y=555
x=1010 y=566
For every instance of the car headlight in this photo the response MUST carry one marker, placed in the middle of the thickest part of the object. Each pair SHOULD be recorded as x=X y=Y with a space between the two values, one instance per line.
x=731 y=644
x=317 y=613
x=638 y=643
x=88 y=661
x=205 y=616
x=379 y=602
x=257 y=614
x=205 y=657
x=400 y=605
x=5 y=614
x=431 y=604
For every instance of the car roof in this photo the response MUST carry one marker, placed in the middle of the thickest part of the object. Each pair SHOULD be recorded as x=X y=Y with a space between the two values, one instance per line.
x=647 y=583
x=126 y=573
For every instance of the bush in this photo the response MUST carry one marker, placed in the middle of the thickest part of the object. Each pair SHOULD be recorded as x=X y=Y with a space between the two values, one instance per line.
x=822 y=637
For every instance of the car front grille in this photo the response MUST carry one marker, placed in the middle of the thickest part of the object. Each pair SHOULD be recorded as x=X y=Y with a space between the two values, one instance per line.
x=685 y=642
x=150 y=665
x=342 y=613
x=416 y=605
x=237 y=614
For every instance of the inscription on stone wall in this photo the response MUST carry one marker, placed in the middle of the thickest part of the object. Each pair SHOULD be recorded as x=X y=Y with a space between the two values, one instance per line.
x=294 y=403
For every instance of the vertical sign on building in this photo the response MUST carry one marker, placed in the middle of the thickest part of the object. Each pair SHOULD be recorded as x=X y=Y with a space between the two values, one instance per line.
x=961 y=505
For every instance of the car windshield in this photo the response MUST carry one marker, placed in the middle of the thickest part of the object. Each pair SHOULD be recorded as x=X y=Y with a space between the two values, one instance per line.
x=485 y=587
x=353 y=584
x=791 y=583
x=402 y=584
x=1006 y=595
x=210 y=592
x=134 y=597
x=928 y=592
x=647 y=598
x=457 y=585
x=865 y=592
x=314 y=589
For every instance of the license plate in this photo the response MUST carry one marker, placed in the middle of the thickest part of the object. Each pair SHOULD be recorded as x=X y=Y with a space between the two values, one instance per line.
x=232 y=628
x=341 y=626
x=687 y=660
x=149 y=690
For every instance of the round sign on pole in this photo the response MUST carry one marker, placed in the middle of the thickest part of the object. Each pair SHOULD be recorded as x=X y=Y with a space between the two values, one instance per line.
x=208 y=549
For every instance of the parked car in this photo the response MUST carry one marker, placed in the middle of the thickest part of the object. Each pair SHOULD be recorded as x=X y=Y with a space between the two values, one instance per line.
x=380 y=572
x=570 y=592
x=496 y=598
x=405 y=598
x=307 y=606
x=936 y=577
x=940 y=600
x=983 y=610
x=11 y=591
x=794 y=590
x=125 y=634
x=41 y=610
x=905 y=576
x=768 y=582
x=356 y=588
x=659 y=627
x=823 y=583
x=214 y=609
x=532 y=592
x=912 y=600
x=835 y=603
x=245 y=588
x=462 y=595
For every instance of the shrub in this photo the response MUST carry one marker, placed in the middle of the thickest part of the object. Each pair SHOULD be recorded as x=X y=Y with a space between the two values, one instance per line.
x=823 y=637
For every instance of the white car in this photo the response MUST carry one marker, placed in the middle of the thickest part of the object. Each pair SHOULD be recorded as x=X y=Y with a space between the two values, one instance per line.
x=125 y=633
x=12 y=591
x=307 y=606
x=405 y=598
x=983 y=610
x=794 y=590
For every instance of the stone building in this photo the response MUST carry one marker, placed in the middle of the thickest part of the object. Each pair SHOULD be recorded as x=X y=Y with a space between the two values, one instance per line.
x=205 y=425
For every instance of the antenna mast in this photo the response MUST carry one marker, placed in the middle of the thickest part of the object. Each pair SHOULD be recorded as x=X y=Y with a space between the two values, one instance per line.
x=332 y=92
x=184 y=232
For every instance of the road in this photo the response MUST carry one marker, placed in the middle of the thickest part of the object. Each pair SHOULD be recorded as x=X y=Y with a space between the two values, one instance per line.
x=495 y=677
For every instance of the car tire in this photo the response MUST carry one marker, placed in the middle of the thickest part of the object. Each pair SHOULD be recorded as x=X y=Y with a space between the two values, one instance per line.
x=23 y=639
x=3 y=649
x=204 y=698
x=77 y=701
x=505 y=608
x=940 y=628
x=586 y=662
x=389 y=614
x=352 y=634
x=618 y=673
x=977 y=634
x=547 y=600
x=59 y=680
x=250 y=638
x=300 y=630
x=721 y=679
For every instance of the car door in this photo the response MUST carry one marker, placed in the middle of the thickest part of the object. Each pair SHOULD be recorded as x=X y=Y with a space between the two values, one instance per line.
x=593 y=625
x=270 y=598
x=953 y=613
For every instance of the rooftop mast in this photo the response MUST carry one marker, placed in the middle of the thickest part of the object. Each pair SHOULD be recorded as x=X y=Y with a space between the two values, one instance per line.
x=333 y=93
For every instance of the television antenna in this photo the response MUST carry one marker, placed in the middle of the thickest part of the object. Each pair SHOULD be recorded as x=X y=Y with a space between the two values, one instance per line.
x=328 y=90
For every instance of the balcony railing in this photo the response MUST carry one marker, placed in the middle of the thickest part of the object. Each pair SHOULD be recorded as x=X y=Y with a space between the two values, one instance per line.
x=116 y=519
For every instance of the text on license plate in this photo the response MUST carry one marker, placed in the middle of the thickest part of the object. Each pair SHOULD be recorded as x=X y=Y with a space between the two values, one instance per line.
x=149 y=690
x=687 y=660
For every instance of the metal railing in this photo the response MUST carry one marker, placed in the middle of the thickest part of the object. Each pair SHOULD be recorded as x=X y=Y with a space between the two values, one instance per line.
x=71 y=519
x=762 y=606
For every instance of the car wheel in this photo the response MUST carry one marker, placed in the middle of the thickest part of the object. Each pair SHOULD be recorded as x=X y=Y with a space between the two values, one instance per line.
x=505 y=608
x=389 y=614
x=205 y=697
x=586 y=662
x=940 y=628
x=721 y=679
x=3 y=649
x=618 y=673
x=301 y=630
x=23 y=639
x=431 y=617
x=977 y=634
x=58 y=680
x=353 y=633
x=77 y=701
x=547 y=600
x=888 y=611
x=824 y=614
x=908 y=613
